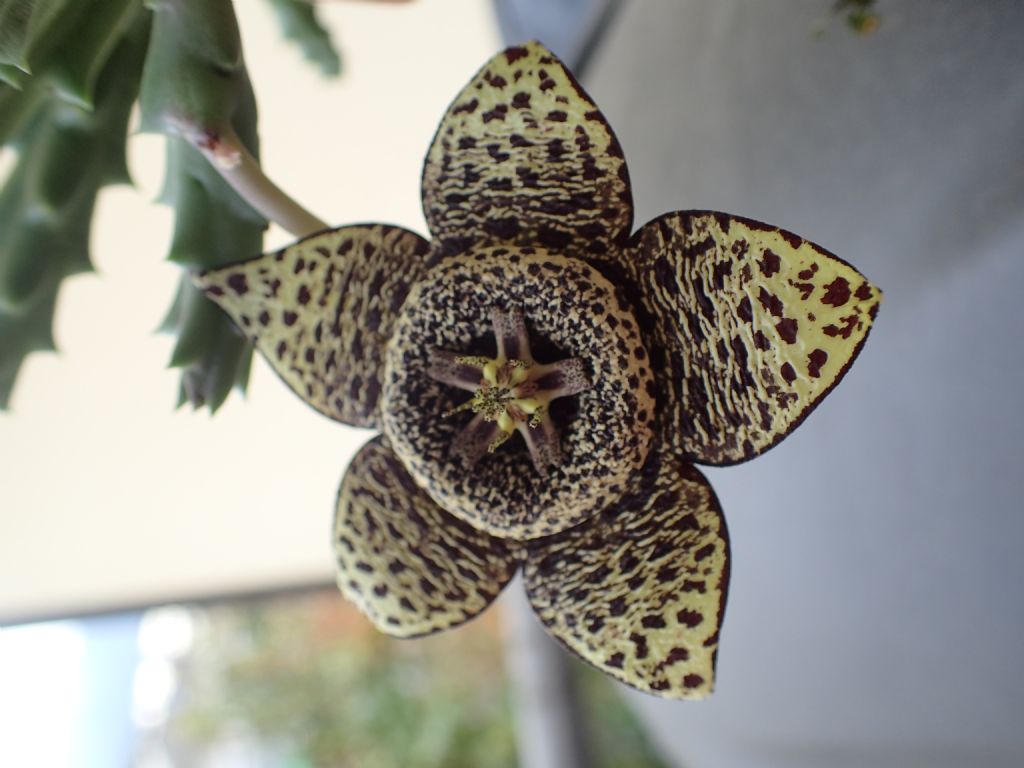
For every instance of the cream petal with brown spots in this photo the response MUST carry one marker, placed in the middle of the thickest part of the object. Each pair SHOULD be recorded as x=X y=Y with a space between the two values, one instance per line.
x=639 y=591
x=524 y=156
x=749 y=327
x=406 y=563
x=321 y=311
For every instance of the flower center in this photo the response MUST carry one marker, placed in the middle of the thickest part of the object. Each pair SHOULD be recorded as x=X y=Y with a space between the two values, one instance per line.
x=511 y=393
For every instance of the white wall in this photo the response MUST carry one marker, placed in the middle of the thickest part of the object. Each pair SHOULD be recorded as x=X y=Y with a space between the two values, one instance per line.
x=108 y=496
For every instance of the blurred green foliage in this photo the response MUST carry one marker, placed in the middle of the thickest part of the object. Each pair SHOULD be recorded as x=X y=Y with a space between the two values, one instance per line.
x=311 y=682
x=70 y=72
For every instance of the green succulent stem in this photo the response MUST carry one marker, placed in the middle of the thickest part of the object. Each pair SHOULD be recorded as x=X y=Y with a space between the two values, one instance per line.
x=65 y=154
x=70 y=71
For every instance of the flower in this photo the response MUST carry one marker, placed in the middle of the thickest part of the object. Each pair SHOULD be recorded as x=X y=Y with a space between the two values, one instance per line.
x=619 y=359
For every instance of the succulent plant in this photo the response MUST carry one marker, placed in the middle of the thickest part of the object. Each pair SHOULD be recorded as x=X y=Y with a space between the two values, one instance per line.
x=600 y=365
x=70 y=71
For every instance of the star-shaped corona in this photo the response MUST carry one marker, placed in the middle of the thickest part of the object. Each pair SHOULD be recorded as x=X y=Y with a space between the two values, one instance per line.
x=511 y=392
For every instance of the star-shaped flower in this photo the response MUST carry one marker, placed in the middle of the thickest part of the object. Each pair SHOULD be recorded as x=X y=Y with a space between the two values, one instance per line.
x=545 y=381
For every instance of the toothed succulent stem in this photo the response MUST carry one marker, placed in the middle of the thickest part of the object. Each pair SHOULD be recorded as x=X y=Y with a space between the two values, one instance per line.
x=65 y=154
x=196 y=91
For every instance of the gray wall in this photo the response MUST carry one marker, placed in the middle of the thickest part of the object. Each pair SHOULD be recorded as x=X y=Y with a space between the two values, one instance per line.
x=877 y=606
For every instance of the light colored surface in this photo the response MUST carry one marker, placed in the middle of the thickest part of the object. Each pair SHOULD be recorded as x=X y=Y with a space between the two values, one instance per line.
x=547 y=710
x=876 y=615
x=109 y=496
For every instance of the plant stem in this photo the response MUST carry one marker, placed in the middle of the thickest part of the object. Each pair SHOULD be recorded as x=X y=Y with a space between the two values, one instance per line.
x=242 y=171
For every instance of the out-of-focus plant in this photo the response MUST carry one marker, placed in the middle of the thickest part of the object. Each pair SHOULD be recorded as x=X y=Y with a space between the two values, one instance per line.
x=305 y=677
x=70 y=72
x=859 y=15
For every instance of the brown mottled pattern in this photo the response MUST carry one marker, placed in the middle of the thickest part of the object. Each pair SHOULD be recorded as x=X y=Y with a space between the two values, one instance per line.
x=639 y=590
x=524 y=156
x=321 y=311
x=407 y=564
x=749 y=327
x=570 y=311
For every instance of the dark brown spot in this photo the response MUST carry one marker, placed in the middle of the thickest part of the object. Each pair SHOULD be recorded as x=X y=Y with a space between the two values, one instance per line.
x=238 y=283
x=640 y=641
x=744 y=310
x=770 y=302
x=793 y=241
x=788 y=373
x=512 y=55
x=806 y=289
x=469 y=107
x=815 y=361
x=693 y=681
x=498 y=113
x=807 y=274
x=837 y=292
x=849 y=325
x=494 y=150
x=770 y=264
x=704 y=552
x=787 y=328
x=677 y=654
x=689 y=618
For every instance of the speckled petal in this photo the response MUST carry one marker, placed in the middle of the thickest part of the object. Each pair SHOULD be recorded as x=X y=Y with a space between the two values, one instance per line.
x=639 y=591
x=749 y=327
x=406 y=563
x=321 y=311
x=524 y=156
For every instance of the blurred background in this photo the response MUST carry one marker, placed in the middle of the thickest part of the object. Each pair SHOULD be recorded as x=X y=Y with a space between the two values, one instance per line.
x=876 y=613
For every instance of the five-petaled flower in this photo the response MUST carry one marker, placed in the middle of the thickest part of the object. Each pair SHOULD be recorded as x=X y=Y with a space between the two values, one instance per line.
x=544 y=380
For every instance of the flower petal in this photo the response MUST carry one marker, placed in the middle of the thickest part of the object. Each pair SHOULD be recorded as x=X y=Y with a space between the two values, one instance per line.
x=749 y=327
x=406 y=563
x=321 y=311
x=639 y=591
x=524 y=156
